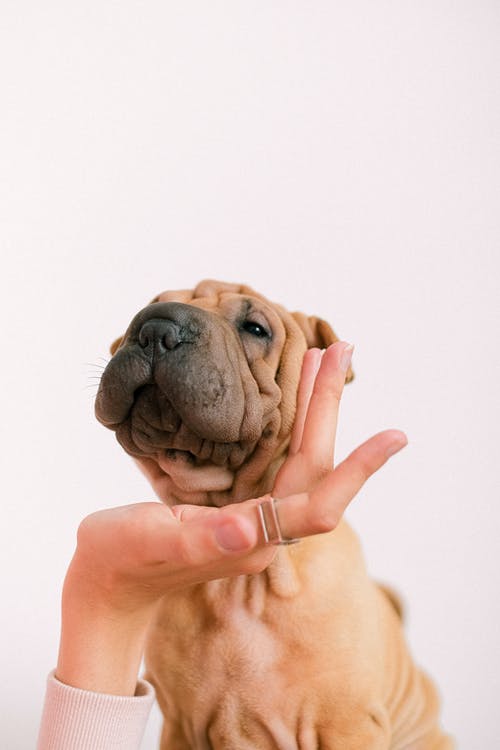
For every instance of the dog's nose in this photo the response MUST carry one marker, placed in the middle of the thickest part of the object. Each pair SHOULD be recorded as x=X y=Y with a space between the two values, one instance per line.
x=160 y=335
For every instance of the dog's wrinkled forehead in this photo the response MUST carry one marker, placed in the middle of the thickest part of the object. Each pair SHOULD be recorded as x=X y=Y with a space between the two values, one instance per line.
x=239 y=304
x=231 y=299
x=210 y=294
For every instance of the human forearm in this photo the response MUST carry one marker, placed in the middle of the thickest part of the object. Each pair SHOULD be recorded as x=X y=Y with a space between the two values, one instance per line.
x=101 y=641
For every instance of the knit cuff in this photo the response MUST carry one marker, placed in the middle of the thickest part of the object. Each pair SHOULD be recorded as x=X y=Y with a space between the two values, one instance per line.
x=83 y=720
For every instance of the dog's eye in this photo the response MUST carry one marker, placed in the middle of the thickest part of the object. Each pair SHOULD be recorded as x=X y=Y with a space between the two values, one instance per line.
x=256 y=329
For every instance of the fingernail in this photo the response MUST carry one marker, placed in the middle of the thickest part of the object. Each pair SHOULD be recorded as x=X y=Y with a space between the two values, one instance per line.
x=230 y=537
x=346 y=357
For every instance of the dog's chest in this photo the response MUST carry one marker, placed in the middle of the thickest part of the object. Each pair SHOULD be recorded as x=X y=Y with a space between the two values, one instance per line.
x=216 y=662
x=246 y=663
x=220 y=638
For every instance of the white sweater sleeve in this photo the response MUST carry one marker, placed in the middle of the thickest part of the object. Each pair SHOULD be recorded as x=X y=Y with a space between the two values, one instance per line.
x=83 y=720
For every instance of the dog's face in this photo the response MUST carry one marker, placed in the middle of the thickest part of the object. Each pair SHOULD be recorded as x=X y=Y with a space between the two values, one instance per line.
x=204 y=383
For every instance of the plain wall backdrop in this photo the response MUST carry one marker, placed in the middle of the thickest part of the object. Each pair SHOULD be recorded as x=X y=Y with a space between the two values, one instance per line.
x=343 y=158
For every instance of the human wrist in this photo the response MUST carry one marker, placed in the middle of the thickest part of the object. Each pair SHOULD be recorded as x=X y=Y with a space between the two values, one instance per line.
x=103 y=630
x=105 y=586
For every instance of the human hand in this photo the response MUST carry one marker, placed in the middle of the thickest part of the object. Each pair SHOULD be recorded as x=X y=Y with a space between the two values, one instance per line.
x=128 y=557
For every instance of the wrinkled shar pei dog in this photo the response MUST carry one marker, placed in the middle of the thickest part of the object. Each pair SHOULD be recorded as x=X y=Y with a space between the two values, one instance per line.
x=310 y=653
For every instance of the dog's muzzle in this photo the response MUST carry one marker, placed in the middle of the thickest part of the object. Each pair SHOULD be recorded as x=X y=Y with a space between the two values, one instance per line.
x=180 y=382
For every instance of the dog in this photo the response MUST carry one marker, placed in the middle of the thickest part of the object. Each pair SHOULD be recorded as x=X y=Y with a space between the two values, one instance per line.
x=309 y=654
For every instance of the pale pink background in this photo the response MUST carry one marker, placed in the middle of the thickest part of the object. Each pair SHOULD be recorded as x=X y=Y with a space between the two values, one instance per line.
x=343 y=157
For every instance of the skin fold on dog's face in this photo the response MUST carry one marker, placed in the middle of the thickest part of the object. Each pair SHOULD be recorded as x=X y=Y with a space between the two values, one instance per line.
x=204 y=383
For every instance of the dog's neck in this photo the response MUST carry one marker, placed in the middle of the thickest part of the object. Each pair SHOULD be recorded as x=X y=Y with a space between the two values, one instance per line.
x=249 y=593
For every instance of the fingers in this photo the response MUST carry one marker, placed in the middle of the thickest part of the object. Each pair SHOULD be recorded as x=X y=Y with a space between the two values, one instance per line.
x=321 y=509
x=211 y=547
x=310 y=367
x=161 y=548
x=231 y=530
x=206 y=541
x=320 y=426
x=228 y=528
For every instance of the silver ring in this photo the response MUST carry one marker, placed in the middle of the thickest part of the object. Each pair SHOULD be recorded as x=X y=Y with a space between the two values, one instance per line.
x=270 y=523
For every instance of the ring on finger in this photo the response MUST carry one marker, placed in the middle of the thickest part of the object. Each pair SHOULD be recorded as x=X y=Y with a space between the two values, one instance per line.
x=268 y=514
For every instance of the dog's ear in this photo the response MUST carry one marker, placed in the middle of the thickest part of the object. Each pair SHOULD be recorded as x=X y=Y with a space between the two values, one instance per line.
x=115 y=345
x=319 y=333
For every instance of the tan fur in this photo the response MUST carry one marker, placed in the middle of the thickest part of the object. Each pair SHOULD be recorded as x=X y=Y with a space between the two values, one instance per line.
x=309 y=654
